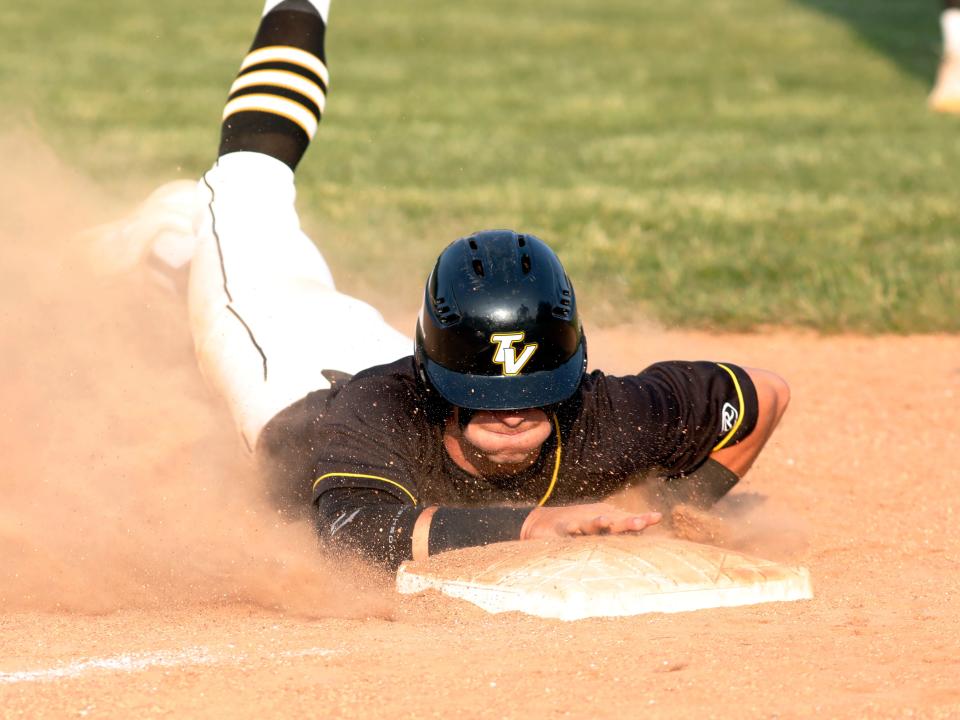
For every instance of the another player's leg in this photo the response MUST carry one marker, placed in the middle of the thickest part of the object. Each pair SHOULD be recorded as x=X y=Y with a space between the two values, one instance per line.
x=264 y=312
x=945 y=96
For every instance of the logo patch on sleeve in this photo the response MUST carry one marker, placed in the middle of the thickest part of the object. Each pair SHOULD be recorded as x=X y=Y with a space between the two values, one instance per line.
x=506 y=354
x=728 y=417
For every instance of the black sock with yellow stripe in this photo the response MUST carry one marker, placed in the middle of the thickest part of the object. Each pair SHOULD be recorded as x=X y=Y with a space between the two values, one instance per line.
x=278 y=98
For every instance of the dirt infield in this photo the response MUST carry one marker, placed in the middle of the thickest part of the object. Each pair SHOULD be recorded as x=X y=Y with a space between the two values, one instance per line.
x=142 y=575
x=863 y=468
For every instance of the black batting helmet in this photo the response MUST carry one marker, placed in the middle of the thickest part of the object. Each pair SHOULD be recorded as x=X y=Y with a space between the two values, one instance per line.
x=499 y=329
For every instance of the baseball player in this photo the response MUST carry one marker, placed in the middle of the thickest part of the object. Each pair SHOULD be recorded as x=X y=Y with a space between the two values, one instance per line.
x=945 y=96
x=486 y=426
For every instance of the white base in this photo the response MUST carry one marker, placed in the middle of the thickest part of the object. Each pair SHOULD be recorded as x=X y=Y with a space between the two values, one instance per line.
x=611 y=576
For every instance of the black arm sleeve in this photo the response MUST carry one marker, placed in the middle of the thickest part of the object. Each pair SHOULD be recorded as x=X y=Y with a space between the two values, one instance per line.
x=453 y=528
x=377 y=526
x=701 y=488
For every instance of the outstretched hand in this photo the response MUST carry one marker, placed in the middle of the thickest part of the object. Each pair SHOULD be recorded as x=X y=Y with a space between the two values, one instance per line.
x=591 y=519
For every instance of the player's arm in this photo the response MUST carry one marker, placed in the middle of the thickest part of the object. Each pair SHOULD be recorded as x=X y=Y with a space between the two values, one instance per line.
x=773 y=397
x=725 y=465
x=561 y=521
x=380 y=527
x=730 y=413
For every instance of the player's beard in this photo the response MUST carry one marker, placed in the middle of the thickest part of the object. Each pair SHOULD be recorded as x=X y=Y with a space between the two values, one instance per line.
x=507 y=451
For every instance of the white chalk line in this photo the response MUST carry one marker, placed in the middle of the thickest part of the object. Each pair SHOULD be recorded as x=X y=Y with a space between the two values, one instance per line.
x=138 y=662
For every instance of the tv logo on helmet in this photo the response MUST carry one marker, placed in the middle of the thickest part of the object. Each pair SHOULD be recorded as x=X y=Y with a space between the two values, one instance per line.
x=506 y=354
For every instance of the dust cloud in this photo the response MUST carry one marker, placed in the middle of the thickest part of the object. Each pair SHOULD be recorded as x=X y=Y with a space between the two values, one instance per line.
x=747 y=522
x=738 y=523
x=123 y=484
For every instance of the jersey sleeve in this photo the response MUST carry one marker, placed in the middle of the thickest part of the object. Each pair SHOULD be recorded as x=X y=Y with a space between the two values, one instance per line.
x=369 y=439
x=673 y=415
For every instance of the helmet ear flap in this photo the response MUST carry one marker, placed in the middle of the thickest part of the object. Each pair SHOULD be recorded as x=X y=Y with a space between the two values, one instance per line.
x=436 y=408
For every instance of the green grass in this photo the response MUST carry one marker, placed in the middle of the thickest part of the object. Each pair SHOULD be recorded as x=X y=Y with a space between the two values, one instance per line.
x=742 y=164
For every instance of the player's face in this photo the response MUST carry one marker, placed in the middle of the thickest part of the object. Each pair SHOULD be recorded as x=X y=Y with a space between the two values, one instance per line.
x=503 y=441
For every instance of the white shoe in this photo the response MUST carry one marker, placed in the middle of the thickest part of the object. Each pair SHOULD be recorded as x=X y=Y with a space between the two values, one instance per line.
x=945 y=96
x=157 y=235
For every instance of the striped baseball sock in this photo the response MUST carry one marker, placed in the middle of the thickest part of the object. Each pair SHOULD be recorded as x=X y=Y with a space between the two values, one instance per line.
x=279 y=95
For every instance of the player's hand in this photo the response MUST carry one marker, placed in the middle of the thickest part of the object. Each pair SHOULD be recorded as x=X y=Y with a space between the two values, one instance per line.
x=592 y=519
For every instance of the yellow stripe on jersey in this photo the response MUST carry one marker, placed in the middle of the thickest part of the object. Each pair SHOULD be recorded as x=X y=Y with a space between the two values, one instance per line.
x=556 y=464
x=736 y=425
x=289 y=109
x=369 y=477
x=284 y=79
x=287 y=54
x=543 y=500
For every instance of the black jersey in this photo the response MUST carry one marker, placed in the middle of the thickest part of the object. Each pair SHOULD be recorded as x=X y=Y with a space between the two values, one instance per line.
x=376 y=433
x=370 y=452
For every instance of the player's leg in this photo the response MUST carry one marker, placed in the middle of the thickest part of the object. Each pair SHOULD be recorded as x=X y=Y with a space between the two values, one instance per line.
x=265 y=315
x=945 y=96
x=264 y=312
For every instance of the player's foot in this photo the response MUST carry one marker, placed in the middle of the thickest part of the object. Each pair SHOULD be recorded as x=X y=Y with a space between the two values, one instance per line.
x=158 y=236
x=945 y=96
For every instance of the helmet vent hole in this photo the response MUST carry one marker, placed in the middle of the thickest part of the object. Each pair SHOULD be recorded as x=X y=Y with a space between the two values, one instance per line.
x=478 y=267
x=525 y=263
x=473 y=244
x=521 y=240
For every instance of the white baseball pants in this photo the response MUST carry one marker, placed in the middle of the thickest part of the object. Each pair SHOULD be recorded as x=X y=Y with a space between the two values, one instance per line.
x=265 y=315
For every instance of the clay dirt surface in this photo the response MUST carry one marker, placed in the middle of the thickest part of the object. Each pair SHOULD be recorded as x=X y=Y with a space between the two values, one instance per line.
x=864 y=465
x=142 y=574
